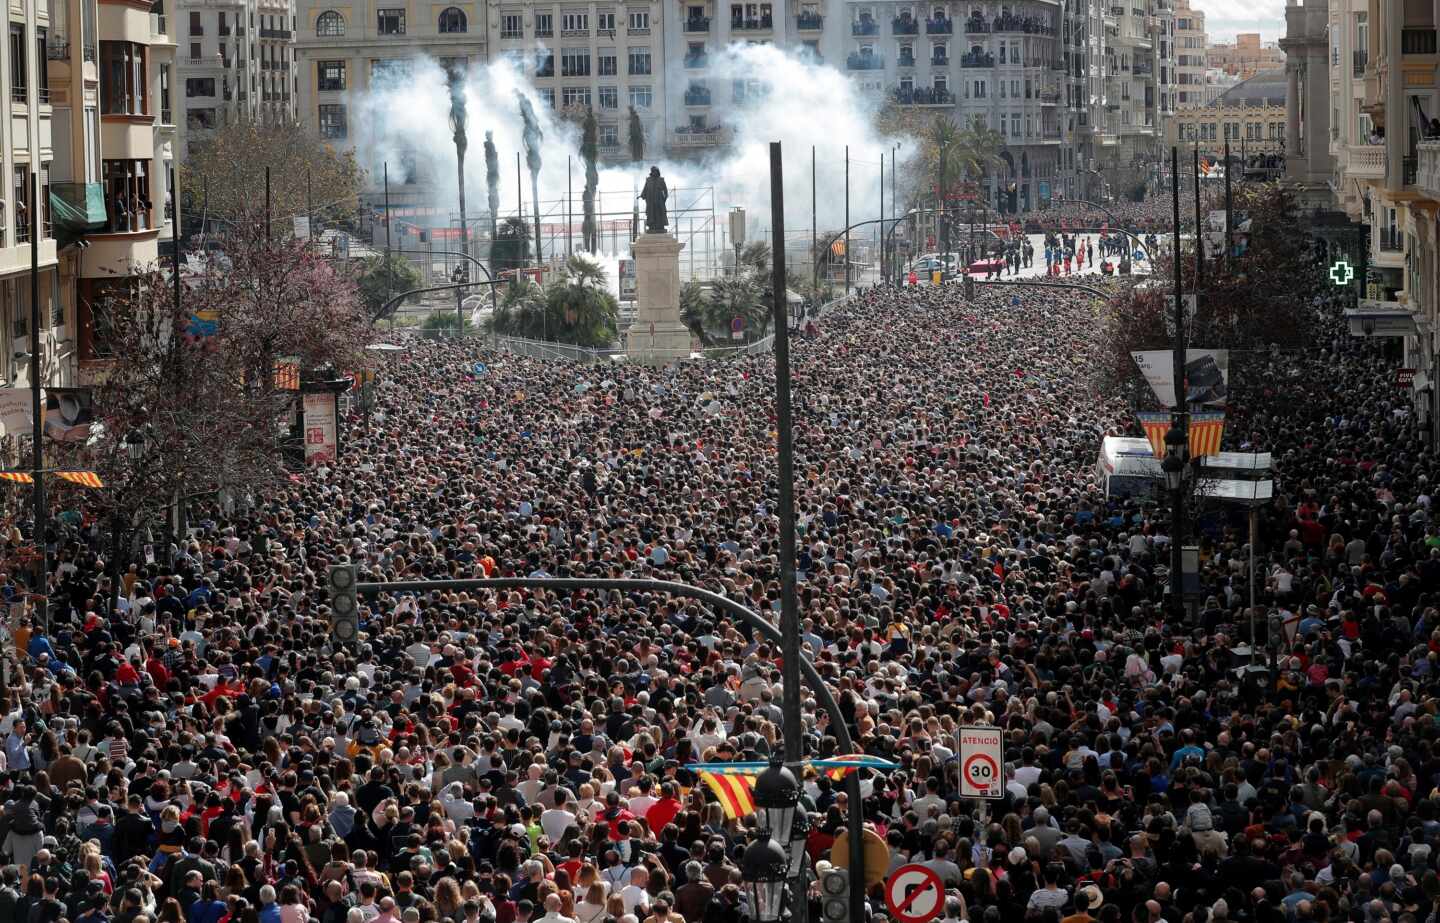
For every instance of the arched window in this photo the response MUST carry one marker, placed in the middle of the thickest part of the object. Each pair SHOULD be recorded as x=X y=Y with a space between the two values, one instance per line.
x=452 y=20
x=330 y=23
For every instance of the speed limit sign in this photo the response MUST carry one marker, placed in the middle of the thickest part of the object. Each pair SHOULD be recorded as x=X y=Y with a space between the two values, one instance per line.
x=982 y=763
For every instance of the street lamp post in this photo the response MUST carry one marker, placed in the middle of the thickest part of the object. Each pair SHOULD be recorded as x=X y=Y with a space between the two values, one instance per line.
x=457 y=125
x=1176 y=459
x=763 y=869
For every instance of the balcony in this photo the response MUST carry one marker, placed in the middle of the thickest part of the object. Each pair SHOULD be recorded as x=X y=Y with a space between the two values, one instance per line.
x=275 y=33
x=223 y=30
x=697 y=97
x=864 y=27
x=939 y=60
x=1427 y=176
x=976 y=26
x=904 y=25
x=697 y=24
x=696 y=60
x=856 y=61
x=1365 y=161
x=693 y=138
x=905 y=60
x=1390 y=241
x=331 y=86
x=922 y=96
x=1009 y=22
x=1048 y=97
x=984 y=59
x=57 y=49
x=759 y=24
x=809 y=22
x=939 y=26
x=1358 y=62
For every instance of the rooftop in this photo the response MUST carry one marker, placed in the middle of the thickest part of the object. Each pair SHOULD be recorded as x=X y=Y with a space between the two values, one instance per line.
x=1265 y=88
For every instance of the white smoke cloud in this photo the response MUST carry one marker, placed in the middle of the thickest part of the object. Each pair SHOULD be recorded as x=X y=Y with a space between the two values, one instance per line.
x=805 y=104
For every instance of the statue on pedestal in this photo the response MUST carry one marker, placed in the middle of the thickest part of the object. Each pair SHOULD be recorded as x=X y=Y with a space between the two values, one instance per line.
x=655 y=193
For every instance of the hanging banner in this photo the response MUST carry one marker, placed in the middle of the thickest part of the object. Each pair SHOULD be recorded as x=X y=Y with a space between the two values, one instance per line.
x=15 y=407
x=1207 y=375
x=69 y=413
x=320 y=428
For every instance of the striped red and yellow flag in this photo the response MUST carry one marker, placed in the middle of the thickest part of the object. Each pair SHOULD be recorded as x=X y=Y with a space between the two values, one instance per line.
x=735 y=791
x=287 y=376
x=1155 y=424
x=83 y=478
x=19 y=477
x=840 y=772
x=1206 y=429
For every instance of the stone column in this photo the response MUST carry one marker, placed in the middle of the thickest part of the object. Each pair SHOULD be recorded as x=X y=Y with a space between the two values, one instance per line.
x=657 y=335
x=1397 y=117
x=1317 y=110
x=1292 y=111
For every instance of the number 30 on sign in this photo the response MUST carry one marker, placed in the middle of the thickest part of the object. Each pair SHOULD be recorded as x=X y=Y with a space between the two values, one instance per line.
x=982 y=763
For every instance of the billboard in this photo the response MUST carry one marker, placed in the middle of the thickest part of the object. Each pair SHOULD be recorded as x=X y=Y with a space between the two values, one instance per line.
x=320 y=428
x=1207 y=375
x=69 y=412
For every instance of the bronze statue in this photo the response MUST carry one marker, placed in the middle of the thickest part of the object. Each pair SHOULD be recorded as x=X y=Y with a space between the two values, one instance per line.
x=655 y=193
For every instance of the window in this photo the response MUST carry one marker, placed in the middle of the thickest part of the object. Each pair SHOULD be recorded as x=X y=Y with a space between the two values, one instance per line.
x=42 y=71
x=575 y=22
x=575 y=96
x=331 y=75
x=167 y=116
x=122 y=81
x=328 y=24
x=224 y=27
x=332 y=122
x=609 y=135
x=609 y=98
x=547 y=96
x=979 y=89
x=640 y=97
x=194 y=51
x=575 y=62
x=606 y=64
x=390 y=22
x=199 y=86
x=22 y=202
x=452 y=20
x=545 y=64
x=512 y=25
x=544 y=25
x=127 y=195
x=19 y=73
x=639 y=22
x=605 y=22
x=200 y=119
x=390 y=70
x=639 y=61
x=195 y=27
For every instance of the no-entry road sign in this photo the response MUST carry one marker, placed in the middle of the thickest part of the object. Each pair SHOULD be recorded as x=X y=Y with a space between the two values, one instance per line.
x=914 y=894
x=982 y=763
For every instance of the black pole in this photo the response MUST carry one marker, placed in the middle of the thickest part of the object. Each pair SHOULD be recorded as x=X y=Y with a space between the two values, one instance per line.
x=882 y=213
x=175 y=228
x=1178 y=418
x=789 y=614
x=519 y=191
x=1199 y=231
x=309 y=212
x=814 y=227
x=389 y=276
x=847 y=219
x=37 y=432
x=1229 y=226
x=460 y=146
x=267 y=204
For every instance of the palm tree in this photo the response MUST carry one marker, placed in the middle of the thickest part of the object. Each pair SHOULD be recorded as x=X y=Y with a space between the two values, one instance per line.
x=740 y=296
x=581 y=306
x=950 y=152
x=694 y=306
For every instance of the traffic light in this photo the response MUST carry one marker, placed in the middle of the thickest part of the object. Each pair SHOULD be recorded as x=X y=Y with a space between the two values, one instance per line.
x=835 y=895
x=344 y=603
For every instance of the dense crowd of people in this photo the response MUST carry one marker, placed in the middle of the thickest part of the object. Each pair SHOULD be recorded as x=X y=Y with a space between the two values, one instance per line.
x=212 y=753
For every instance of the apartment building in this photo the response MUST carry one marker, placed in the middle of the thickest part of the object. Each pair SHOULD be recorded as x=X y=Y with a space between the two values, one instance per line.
x=1190 y=62
x=1246 y=56
x=1140 y=76
x=234 y=63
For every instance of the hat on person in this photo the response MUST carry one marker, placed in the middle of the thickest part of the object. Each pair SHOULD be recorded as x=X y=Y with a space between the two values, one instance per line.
x=1092 y=895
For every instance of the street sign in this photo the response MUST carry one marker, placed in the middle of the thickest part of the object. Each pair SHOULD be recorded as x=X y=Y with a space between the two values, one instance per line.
x=1342 y=272
x=1404 y=378
x=914 y=894
x=982 y=763
x=737 y=328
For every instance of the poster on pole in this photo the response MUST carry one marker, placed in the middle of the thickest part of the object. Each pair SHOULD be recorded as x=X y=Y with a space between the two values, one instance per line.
x=982 y=762
x=15 y=410
x=1207 y=375
x=320 y=428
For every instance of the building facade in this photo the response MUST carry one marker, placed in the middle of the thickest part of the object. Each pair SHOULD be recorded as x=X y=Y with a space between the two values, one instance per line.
x=1250 y=115
x=1190 y=62
x=1246 y=56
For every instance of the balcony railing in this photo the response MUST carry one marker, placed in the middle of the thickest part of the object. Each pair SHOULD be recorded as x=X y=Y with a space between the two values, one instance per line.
x=905 y=60
x=939 y=60
x=1365 y=161
x=864 y=62
x=197 y=31
x=810 y=22
x=757 y=24
x=1427 y=177
x=697 y=24
x=976 y=26
x=57 y=50
x=19 y=95
x=223 y=30
x=1358 y=61
x=939 y=26
x=922 y=96
x=712 y=136
x=274 y=33
x=1392 y=241
x=88 y=52
x=864 y=27
x=331 y=86
x=1408 y=168
x=697 y=97
x=167 y=116
x=984 y=59
x=696 y=60
x=1009 y=22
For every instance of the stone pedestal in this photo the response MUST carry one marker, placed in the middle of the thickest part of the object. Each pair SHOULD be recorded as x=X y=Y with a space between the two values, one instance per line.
x=657 y=335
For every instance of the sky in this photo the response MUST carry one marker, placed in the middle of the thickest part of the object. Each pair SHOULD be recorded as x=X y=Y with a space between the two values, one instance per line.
x=1224 y=18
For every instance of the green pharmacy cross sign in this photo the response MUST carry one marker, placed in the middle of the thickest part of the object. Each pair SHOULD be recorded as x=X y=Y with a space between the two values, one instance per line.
x=1342 y=272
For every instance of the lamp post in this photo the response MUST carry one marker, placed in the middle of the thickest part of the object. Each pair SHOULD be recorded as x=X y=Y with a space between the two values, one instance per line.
x=777 y=794
x=457 y=126
x=763 y=868
x=799 y=856
x=135 y=442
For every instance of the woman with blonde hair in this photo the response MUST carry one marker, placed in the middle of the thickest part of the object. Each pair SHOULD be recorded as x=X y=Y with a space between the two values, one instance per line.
x=449 y=905
x=592 y=908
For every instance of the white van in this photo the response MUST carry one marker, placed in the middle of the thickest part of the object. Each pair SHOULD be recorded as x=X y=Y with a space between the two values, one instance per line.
x=1127 y=467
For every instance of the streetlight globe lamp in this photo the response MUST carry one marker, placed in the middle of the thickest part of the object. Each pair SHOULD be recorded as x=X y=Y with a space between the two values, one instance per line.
x=764 y=868
x=1175 y=459
x=776 y=795
x=799 y=839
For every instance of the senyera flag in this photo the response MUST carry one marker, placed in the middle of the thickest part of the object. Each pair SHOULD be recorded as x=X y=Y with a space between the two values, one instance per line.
x=733 y=784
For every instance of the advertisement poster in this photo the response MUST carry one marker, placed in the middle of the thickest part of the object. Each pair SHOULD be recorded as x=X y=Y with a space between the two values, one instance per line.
x=320 y=443
x=69 y=412
x=15 y=410
x=627 y=280
x=1207 y=375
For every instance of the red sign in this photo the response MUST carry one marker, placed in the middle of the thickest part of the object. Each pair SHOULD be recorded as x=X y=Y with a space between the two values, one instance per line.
x=1404 y=378
x=915 y=894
